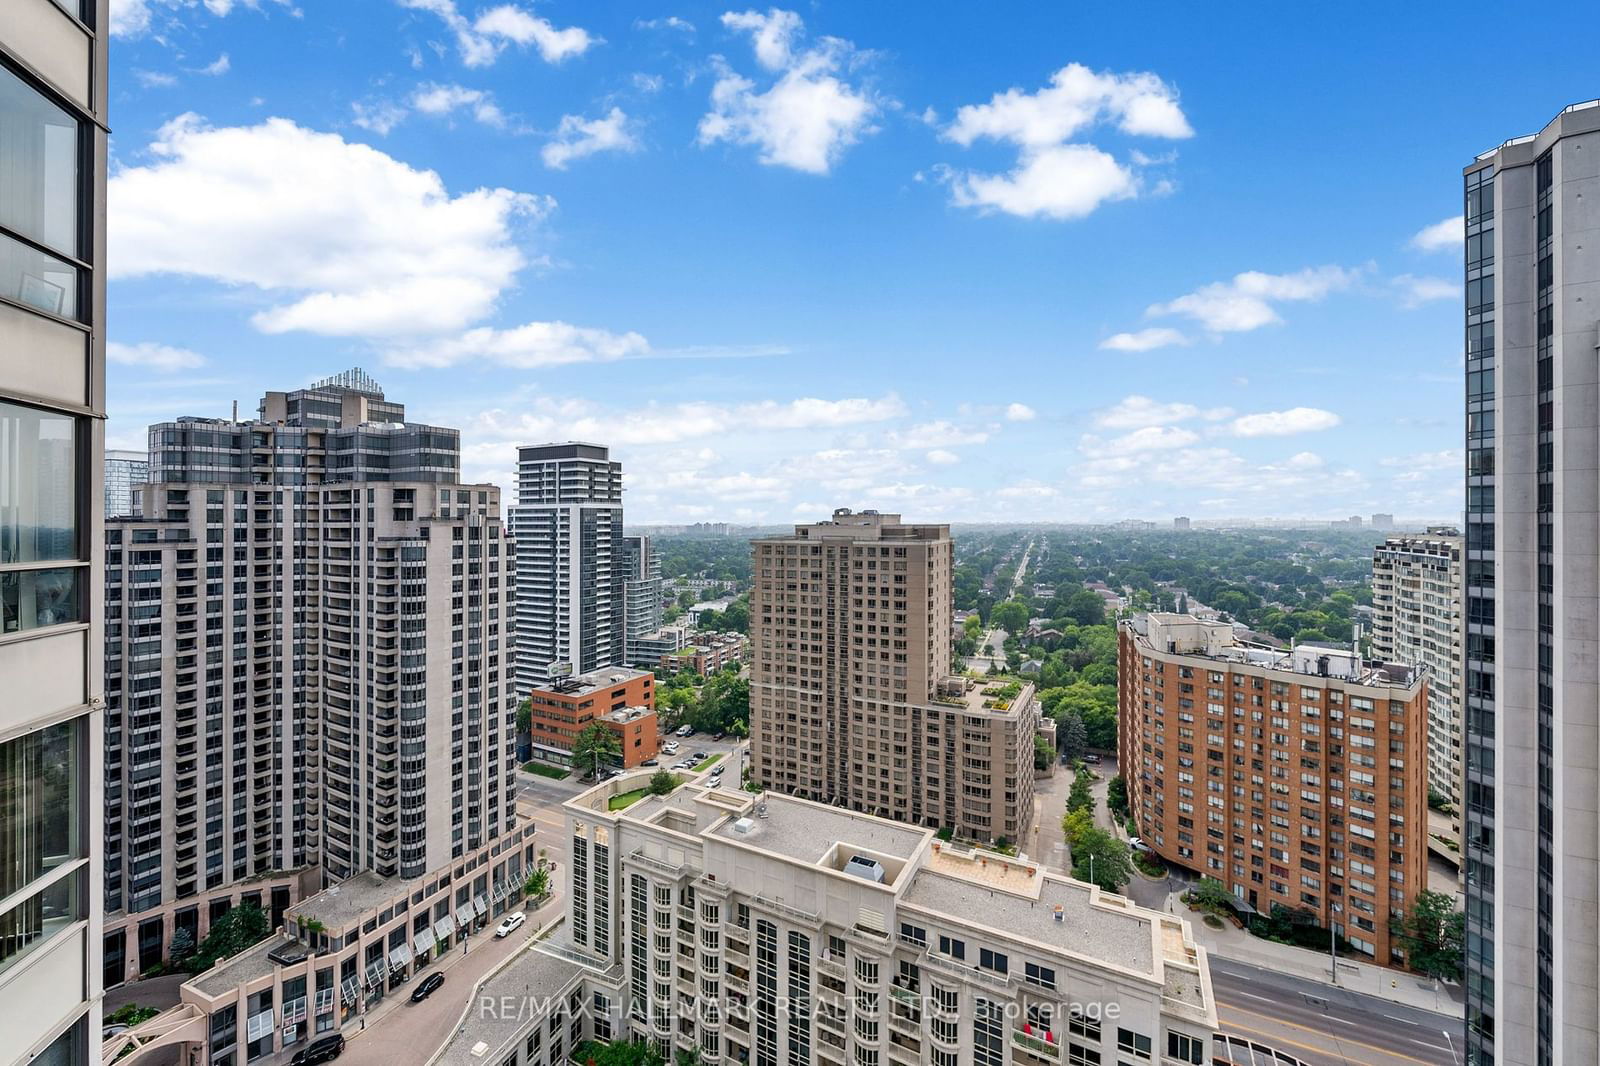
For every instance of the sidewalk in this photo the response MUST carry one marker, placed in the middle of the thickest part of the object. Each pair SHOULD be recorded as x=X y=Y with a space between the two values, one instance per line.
x=1399 y=986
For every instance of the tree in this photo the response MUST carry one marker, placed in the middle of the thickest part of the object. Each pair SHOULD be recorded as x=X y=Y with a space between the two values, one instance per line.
x=525 y=716
x=1117 y=796
x=595 y=744
x=662 y=782
x=538 y=883
x=1101 y=859
x=1011 y=616
x=181 y=946
x=1431 y=935
x=1072 y=740
x=1073 y=825
x=617 y=1053
x=242 y=927
x=1043 y=753
x=973 y=626
x=1212 y=895
x=1086 y=608
x=1079 y=798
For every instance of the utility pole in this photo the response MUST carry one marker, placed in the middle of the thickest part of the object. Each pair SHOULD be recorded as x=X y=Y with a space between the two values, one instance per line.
x=1333 y=951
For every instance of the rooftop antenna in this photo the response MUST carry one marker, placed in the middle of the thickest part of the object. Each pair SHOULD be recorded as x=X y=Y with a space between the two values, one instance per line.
x=236 y=410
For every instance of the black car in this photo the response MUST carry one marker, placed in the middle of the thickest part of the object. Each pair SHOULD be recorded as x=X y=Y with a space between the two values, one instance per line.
x=326 y=1049
x=430 y=984
x=651 y=762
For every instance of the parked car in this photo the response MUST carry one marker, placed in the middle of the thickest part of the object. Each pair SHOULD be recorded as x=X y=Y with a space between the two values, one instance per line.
x=699 y=756
x=325 y=1049
x=609 y=774
x=1092 y=759
x=511 y=924
x=686 y=730
x=651 y=762
x=720 y=734
x=670 y=748
x=1138 y=845
x=430 y=984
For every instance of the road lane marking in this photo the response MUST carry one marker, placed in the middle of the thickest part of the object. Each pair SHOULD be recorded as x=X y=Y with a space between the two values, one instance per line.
x=1318 y=1032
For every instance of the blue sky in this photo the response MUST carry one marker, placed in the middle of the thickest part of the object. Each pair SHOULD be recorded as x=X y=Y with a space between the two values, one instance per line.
x=968 y=262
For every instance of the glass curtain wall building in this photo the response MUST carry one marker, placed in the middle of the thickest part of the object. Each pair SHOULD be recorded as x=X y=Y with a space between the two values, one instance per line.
x=52 y=401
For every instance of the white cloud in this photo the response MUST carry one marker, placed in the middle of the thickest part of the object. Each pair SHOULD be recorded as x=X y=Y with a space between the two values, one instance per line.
x=940 y=457
x=1138 y=412
x=1028 y=490
x=433 y=99
x=535 y=344
x=480 y=42
x=1245 y=302
x=577 y=137
x=153 y=79
x=648 y=83
x=1441 y=236
x=1415 y=291
x=354 y=242
x=218 y=66
x=380 y=117
x=1062 y=182
x=1148 y=439
x=133 y=18
x=1053 y=178
x=158 y=357
x=939 y=434
x=670 y=22
x=1446 y=459
x=1020 y=412
x=1284 y=423
x=1144 y=340
x=807 y=117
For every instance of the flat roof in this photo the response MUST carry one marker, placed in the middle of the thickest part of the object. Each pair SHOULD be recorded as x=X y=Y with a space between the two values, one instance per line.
x=806 y=831
x=593 y=681
x=980 y=697
x=249 y=965
x=1102 y=933
x=523 y=984
x=350 y=900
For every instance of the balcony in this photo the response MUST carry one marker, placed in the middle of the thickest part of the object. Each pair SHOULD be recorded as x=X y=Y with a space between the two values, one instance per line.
x=1043 y=1049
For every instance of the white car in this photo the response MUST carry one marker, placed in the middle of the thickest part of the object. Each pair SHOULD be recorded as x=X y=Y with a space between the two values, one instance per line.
x=670 y=748
x=510 y=924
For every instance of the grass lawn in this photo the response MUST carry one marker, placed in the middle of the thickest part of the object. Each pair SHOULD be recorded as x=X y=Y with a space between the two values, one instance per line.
x=708 y=763
x=544 y=769
x=626 y=799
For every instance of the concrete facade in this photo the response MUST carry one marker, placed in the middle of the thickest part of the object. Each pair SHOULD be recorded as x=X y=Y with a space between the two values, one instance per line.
x=53 y=149
x=571 y=577
x=851 y=700
x=308 y=636
x=1532 y=858
x=1417 y=618
x=1296 y=779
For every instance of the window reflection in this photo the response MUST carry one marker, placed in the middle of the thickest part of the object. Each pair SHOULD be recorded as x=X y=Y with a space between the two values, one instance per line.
x=40 y=797
x=38 y=485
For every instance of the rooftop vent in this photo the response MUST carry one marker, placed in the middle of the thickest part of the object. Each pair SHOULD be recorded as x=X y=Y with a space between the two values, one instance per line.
x=1060 y=913
x=864 y=868
x=744 y=826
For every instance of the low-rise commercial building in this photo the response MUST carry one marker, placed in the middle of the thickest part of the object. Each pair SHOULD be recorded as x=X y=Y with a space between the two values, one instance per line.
x=1297 y=779
x=774 y=929
x=618 y=698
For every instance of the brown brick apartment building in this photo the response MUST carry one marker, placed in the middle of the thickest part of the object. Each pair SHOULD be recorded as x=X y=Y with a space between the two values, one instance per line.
x=622 y=700
x=1296 y=778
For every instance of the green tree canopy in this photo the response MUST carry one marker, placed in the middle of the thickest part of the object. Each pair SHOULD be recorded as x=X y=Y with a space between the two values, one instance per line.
x=1011 y=616
x=595 y=746
x=1432 y=935
x=1101 y=859
x=242 y=927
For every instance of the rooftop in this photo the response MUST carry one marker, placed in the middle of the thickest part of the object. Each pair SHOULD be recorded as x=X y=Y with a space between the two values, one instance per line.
x=249 y=965
x=350 y=900
x=993 y=696
x=1217 y=641
x=594 y=681
x=522 y=983
x=807 y=832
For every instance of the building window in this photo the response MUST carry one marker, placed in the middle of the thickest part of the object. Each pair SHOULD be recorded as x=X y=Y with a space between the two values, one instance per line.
x=1186 y=1048
x=41 y=144
x=38 y=518
x=1132 y=1043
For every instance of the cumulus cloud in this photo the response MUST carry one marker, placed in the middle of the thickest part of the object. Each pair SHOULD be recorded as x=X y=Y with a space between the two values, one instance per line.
x=1247 y=301
x=1284 y=423
x=1054 y=178
x=1020 y=412
x=670 y=22
x=351 y=241
x=1149 y=439
x=941 y=457
x=1144 y=340
x=1415 y=291
x=807 y=116
x=481 y=41
x=578 y=137
x=939 y=434
x=158 y=357
x=444 y=99
x=1442 y=236
x=218 y=66
x=1138 y=412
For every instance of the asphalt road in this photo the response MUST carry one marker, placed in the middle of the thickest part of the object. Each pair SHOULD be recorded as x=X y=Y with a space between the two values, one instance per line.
x=1326 y=1026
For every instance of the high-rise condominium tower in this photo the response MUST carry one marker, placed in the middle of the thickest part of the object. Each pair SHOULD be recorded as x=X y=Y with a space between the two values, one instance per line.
x=52 y=400
x=308 y=660
x=643 y=593
x=570 y=574
x=1417 y=619
x=851 y=698
x=125 y=471
x=1532 y=851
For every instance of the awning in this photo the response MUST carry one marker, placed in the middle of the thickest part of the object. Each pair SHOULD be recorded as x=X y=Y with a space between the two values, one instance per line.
x=351 y=990
x=374 y=973
x=424 y=941
x=400 y=957
x=324 y=1000
x=464 y=915
x=498 y=893
x=444 y=927
x=480 y=905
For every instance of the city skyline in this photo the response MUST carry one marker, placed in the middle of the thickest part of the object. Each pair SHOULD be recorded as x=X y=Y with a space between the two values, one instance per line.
x=610 y=267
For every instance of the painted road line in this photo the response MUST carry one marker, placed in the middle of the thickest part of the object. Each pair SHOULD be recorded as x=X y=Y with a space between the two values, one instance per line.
x=1320 y=1033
